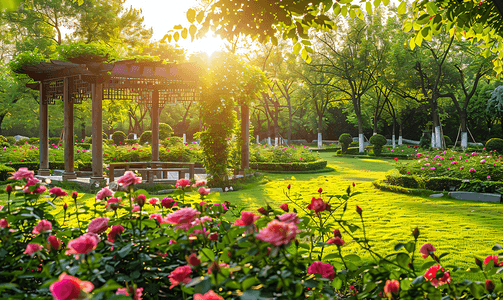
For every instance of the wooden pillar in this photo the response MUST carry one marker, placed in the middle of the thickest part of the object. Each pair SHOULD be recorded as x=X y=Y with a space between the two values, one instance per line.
x=155 y=125
x=43 y=133
x=245 y=135
x=69 y=172
x=97 y=103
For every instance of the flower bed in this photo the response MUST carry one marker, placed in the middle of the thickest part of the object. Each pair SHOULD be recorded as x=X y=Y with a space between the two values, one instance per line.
x=192 y=250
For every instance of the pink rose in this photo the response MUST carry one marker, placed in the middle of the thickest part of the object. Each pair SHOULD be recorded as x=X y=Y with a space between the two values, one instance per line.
x=137 y=293
x=493 y=258
x=392 y=286
x=289 y=218
x=200 y=183
x=53 y=243
x=193 y=260
x=318 y=205
x=432 y=273
x=210 y=295
x=153 y=201
x=4 y=223
x=23 y=173
x=128 y=178
x=203 y=191
x=262 y=211
x=98 y=225
x=180 y=275
x=426 y=249
x=359 y=210
x=43 y=225
x=136 y=208
x=214 y=236
x=182 y=216
x=113 y=203
x=32 y=248
x=284 y=207
x=336 y=240
x=105 y=192
x=337 y=233
x=69 y=287
x=168 y=202
x=83 y=244
x=140 y=199
x=247 y=218
x=318 y=267
x=172 y=241
x=157 y=217
x=58 y=192
x=278 y=233
x=182 y=183
x=116 y=230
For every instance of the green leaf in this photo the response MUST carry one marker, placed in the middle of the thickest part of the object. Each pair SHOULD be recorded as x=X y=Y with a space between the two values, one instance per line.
x=377 y=3
x=274 y=40
x=403 y=259
x=191 y=15
x=418 y=280
x=296 y=48
x=496 y=247
x=125 y=251
x=412 y=43
x=399 y=246
x=176 y=27
x=443 y=255
x=304 y=54
x=402 y=8
x=250 y=295
x=385 y=2
x=337 y=283
x=337 y=9
x=407 y=26
x=352 y=13
x=368 y=8
x=176 y=36
x=428 y=265
x=344 y=10
x=249 y=282
x=192 y=31
x=184 y=33
x=207 y=255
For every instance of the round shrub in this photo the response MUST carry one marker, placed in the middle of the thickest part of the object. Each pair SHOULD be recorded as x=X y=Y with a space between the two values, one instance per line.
x=425 y=140
x=146 y=137
x=448 y=141
x=378 y=141
x=495 y=144
x=165 y=131
x=88 y=140
x=345 y=140
x=131 y=136
x=118 y=137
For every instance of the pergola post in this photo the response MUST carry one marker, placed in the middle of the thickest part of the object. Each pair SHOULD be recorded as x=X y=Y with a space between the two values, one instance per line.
x=43 y=133
x=69 y=172
x=97 y=104
x=155 y=125
x=245 y=135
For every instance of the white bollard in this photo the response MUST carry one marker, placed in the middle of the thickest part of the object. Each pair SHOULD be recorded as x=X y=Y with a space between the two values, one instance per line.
x=269 y=141
x=135 y=136
x=320 y=141
x=275 y=142
x=184 y=138
x=258 y=141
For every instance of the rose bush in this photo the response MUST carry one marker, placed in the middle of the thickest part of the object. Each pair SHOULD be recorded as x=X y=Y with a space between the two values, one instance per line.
x=193 y=251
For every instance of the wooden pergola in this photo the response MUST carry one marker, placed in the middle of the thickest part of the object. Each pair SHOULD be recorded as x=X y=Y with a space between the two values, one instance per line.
x=152 y=83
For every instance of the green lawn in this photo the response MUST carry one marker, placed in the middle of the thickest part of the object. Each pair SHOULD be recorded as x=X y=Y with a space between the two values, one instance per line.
x=462 y=228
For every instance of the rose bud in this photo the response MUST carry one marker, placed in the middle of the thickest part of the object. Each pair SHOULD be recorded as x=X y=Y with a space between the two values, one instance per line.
x=359 y=210
x=74 y=195
x=140 y=199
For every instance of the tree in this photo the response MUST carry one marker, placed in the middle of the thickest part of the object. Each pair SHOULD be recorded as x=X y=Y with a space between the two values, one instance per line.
x=495 y=104
x=352 y=57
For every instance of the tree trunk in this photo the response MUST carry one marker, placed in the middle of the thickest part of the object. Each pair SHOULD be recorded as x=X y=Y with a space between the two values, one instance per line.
x=360 y=132
x=464 y=131
x=320 y=141
x=83 y=128
x=400 y=141
x=393 y=135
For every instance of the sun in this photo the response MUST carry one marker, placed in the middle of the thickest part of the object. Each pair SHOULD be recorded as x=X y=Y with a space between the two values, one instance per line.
x=162 y=16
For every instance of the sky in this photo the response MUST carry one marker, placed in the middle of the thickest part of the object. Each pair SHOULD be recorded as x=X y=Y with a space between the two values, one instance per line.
x=162 y=15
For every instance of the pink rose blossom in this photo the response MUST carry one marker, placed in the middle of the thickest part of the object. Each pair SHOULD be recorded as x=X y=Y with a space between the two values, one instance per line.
x=336 y=240
x=113 y=203
x=53 y=243
x=136 y=208
x=23 y=173
x=116 y=230
x=471 y=170
x=83 y=244
x=432 y=273
x=32 y=248
x=153 y=201
x=183 y=216
x=136 y=293
x=43 y=225
x=128 y=178
x=98 y=225
x=183 y=183
x=210 y=295
x=157 y=217
x=4 y=223
x=58 y=192
x=289 y=218
x=426 y=249
x=168 y=202
x=278 y=233
x=318 y=267
x=392 y=286
x=203 y=191
x=180 y=275
x=104 y=193
x=284 y=207
x=247 y=218
x=199 y=183
x=494 y=259
x=69 y=288
x=318 y=205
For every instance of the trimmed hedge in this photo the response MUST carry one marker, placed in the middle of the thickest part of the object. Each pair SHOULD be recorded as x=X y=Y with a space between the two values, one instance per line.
x=432 y=183
x=59 y=165
x=395 y=178
x=4 y=172
x=354 y=150
x=480 y=186
x=294 y=166
x=85 y=145
x=495 y=144
x=146 y=137
x=441 y=183
x=345 y=140
x=329 y=149
x=383 y=186
x=378 y=141
x=118 y=137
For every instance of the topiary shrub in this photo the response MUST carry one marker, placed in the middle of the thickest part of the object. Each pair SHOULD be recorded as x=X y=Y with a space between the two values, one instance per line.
x=131 y=136
x=354 y=144
x=345 y=140
x=165 y=131
x=448 y=141
x=425 y=140
x=495 y=144
x=146 y=137
x=118 y=137
x=378 y=141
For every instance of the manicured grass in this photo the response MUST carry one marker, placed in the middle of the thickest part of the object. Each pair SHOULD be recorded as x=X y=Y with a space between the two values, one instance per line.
x=462 y=228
